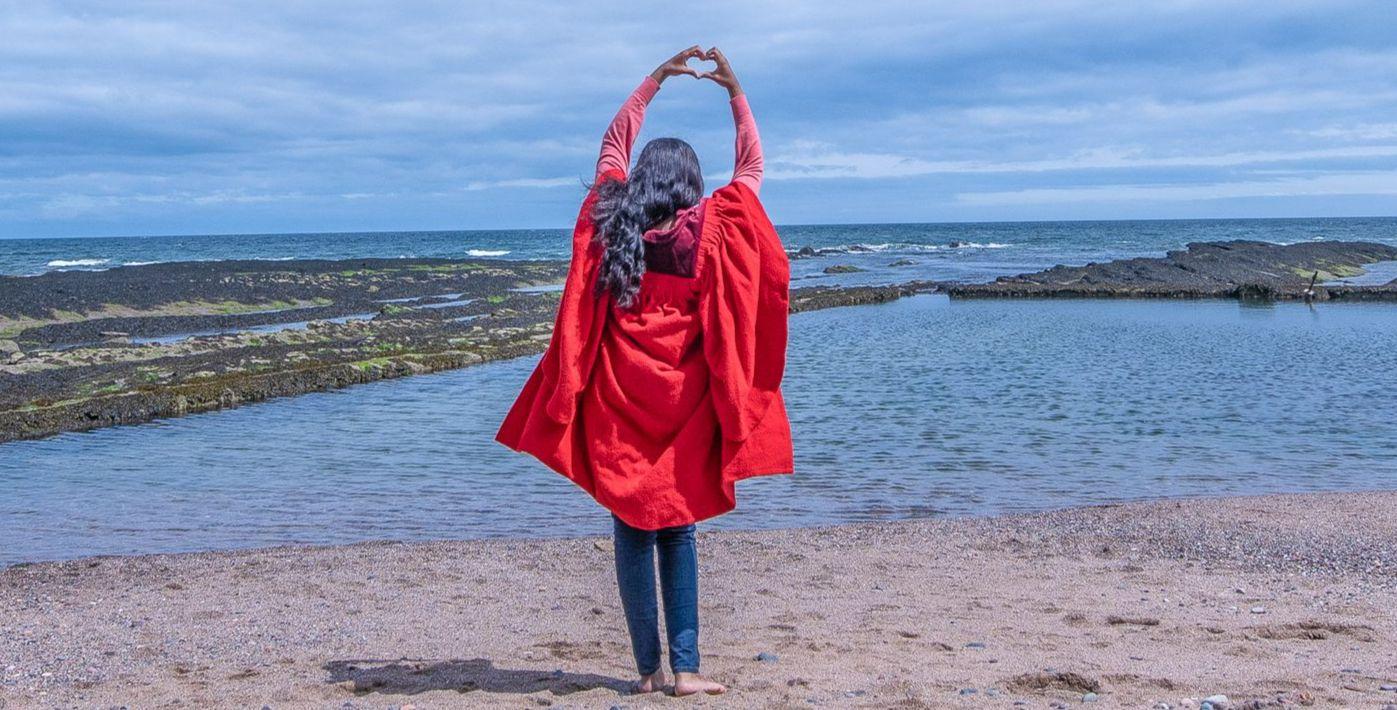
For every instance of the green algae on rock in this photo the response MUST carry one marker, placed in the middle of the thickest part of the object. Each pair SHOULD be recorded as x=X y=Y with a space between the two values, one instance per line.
x=164 y=340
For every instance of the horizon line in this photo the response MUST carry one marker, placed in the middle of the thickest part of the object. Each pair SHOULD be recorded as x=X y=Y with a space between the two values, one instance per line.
x=778 y=226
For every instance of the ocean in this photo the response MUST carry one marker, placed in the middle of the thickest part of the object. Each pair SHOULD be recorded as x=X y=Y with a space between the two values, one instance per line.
x=946 y=252
x=920 y=407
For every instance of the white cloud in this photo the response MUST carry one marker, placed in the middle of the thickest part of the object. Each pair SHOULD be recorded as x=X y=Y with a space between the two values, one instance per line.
x=1361 y=132
x=820 y=161
x=1367 y=183
x=524 y=182
x=69 y=205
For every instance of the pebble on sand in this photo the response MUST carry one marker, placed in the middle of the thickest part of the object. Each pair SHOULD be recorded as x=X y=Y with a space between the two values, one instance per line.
x=1215 y=702
x=767 y=657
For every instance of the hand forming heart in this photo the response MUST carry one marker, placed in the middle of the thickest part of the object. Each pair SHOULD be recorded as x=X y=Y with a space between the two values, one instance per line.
x=720 y=74
x=679 y=64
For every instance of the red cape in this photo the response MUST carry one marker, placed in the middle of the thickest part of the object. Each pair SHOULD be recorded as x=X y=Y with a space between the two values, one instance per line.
x=659 y=410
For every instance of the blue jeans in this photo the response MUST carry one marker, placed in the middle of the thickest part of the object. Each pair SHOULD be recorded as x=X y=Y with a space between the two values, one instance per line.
x=635 y=577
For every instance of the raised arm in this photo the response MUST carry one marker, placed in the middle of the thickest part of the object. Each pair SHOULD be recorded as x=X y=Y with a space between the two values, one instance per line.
x=620 y=136
x=748 y=166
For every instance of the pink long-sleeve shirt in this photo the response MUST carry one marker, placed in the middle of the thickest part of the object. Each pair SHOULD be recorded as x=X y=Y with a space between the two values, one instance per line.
x=620 y=136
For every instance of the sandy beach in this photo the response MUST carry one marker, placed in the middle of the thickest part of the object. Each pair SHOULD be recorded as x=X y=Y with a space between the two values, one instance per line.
x=1271 y=601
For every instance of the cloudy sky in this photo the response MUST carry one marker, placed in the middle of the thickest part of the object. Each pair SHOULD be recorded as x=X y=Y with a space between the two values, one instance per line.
x=181 y=118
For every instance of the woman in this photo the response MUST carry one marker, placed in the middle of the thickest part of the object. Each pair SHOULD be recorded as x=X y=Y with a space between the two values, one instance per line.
x=660 y=388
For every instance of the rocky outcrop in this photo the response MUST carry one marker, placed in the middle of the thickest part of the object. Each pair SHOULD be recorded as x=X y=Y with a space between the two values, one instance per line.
x=1236 y=269
x=812 y=298
x=84 y=366
x=67 y=364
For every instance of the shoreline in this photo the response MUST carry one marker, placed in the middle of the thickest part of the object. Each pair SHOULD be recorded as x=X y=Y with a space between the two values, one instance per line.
x=1269 y=598
x=941 y=518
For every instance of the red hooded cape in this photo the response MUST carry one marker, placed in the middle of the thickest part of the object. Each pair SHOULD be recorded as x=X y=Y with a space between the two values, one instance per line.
x=657 y=411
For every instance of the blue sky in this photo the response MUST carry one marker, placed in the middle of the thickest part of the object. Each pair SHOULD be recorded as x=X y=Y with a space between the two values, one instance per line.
x=181 y=118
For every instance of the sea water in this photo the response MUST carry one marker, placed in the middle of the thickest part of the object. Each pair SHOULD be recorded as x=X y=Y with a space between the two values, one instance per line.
x=887 y=253
x=923 y=406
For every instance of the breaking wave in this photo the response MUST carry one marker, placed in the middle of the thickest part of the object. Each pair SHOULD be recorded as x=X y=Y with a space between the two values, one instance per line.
x=899 y=247
x=67 y=263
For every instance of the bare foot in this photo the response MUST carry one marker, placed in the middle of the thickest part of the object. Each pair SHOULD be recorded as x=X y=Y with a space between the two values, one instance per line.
x=651 y=683
x=690 y=683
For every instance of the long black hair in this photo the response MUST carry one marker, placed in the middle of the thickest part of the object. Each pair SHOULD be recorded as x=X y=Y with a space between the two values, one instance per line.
x=666 y=179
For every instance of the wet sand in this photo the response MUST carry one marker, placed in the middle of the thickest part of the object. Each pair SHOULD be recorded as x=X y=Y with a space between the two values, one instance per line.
x=1271 y=601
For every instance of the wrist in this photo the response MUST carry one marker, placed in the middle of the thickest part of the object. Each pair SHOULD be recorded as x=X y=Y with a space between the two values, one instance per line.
x=734 y=91
x=658 y=75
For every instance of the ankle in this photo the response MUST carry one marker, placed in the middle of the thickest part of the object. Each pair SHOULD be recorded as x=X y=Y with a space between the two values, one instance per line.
x=650 y=682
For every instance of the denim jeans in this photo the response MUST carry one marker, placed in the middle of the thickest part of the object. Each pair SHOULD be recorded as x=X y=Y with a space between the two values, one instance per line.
x=635 y=577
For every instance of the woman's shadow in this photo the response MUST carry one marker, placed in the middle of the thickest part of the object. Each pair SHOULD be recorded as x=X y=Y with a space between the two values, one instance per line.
x=412 y=676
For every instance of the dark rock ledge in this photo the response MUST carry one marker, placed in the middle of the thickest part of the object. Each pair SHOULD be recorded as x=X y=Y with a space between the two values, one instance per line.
x=1236 y=269
x=72 y=355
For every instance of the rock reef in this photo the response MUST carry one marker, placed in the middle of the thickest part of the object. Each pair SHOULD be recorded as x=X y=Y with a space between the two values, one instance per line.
x=82 y=350
x=1235 y=269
